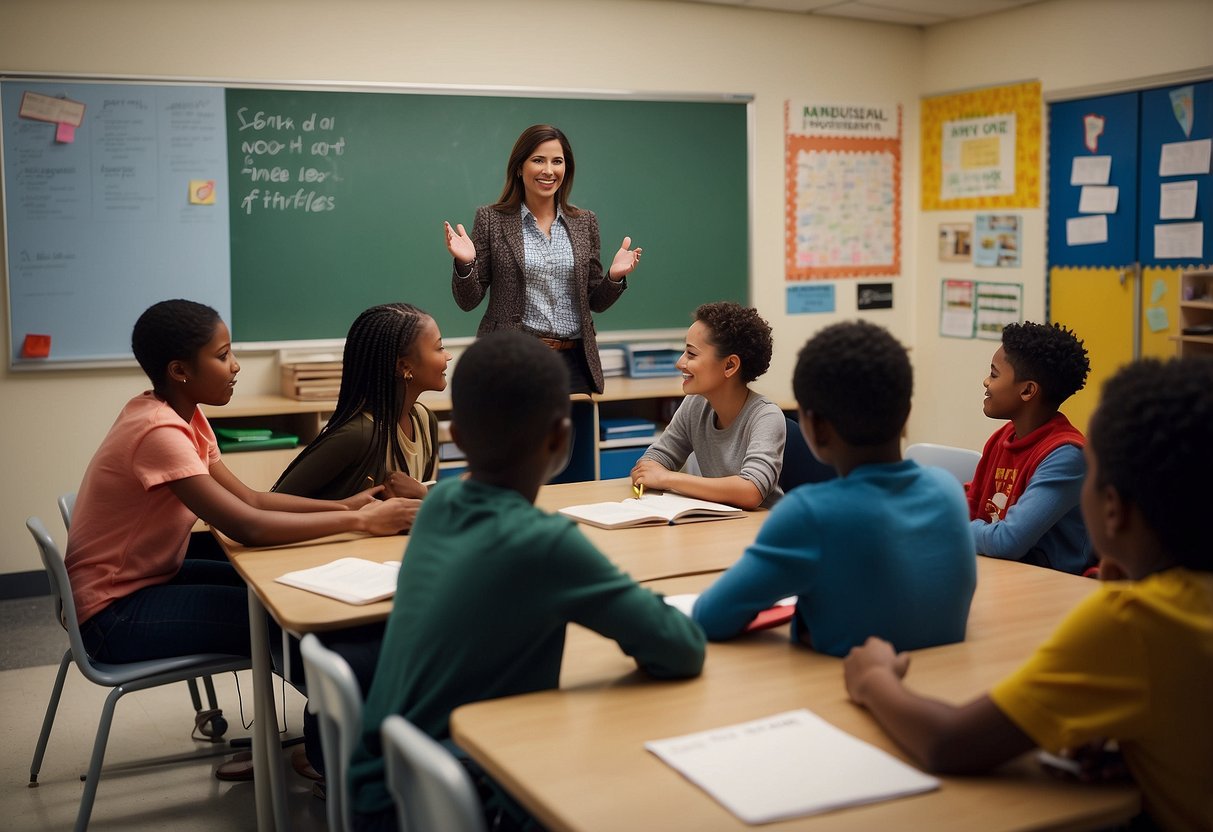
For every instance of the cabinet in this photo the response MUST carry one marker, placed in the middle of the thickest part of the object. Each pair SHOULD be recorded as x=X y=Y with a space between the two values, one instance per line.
x=1196 y=313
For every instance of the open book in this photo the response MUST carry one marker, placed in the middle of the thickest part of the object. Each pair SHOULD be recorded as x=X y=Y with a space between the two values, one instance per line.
x=650 y=509
x=352 y=580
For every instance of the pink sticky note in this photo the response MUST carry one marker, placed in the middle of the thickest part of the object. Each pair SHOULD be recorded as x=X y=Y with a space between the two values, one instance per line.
x=65 y=133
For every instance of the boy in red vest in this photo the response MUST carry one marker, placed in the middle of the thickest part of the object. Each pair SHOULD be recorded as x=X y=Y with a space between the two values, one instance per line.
x=1023 y=500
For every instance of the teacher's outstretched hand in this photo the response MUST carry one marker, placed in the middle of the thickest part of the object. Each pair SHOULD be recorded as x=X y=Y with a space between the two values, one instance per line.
x=625 y=262
x=460 y=246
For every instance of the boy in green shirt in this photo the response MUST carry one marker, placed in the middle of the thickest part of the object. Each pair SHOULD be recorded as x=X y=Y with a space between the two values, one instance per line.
x=490 y=581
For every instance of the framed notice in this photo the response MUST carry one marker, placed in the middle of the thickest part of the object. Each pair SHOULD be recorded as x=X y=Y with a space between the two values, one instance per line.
x=981 y=149
x=842 y=189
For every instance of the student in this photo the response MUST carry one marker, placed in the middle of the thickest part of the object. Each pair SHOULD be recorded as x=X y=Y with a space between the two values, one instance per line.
x=884 y=548
x=489 y=581
x=737 y=435
x=139 y=594
x=379 y=432
x=1023 y=501
x=1132 y=662
x=536 y=256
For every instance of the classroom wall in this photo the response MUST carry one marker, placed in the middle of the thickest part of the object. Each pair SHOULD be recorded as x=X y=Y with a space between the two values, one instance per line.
x=1067 y=45
x=52 y=422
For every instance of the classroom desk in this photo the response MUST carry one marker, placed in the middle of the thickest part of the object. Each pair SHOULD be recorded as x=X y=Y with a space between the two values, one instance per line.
x=576 y=759
x=645 y=553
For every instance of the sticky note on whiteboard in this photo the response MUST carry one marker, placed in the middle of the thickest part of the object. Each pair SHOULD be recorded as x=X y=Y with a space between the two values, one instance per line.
x=36 y=346
x=65 y=133
x=202 y=192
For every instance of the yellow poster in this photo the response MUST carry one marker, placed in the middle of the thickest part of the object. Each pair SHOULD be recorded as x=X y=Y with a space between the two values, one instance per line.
x=981 y=149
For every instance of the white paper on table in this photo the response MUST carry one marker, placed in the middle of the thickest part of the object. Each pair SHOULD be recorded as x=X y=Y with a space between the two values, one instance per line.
x=1177 y=200
x=1083 y=231
x=1184 y=240
x=1098 y=199
x=1090 y=170
x=1179 y=158
x=788 y=765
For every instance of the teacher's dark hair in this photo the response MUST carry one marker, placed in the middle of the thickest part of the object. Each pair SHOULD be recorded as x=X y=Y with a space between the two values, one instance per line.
x=172 y=330
x=513 y=192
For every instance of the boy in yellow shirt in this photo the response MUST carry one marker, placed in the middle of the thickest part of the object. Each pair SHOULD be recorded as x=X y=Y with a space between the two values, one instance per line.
x=1133 y=662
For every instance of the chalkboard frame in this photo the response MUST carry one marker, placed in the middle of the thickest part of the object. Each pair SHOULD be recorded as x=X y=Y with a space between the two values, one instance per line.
x=744 y=214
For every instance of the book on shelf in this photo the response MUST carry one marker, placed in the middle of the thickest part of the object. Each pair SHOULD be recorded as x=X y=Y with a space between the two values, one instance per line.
x=650 y=510
x=626 y=428
x=352 y=580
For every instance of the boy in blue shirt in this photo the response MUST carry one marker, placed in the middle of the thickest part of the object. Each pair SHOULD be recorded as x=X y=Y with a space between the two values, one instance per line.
x=884 y=548
x=489 y=581
x=1023 y=500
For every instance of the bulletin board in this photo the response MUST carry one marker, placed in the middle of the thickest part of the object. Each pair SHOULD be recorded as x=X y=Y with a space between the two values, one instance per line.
x=981 y=149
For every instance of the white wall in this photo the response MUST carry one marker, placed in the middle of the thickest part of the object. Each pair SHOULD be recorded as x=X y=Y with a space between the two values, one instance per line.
x=52 y=422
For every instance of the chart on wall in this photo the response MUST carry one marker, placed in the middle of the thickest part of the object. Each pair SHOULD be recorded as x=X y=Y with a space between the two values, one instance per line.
x=981 y=149
x=842 y=189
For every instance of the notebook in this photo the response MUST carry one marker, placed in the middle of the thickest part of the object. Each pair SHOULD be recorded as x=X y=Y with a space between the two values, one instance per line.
x=352 y=580
x=774 y=616
x=650 y=509
x=788 y=765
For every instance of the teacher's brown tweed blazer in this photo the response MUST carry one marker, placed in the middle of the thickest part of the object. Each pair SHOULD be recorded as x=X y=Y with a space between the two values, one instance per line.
x=500 y=264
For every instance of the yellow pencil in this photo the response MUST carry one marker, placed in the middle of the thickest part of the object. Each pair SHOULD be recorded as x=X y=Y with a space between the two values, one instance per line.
x=638 y=490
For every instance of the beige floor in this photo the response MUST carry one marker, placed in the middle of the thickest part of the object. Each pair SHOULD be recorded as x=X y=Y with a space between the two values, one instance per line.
x=155 y=777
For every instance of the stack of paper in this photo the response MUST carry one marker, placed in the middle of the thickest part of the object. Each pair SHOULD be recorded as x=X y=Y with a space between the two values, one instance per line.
x=352 y=580
x=788 y=765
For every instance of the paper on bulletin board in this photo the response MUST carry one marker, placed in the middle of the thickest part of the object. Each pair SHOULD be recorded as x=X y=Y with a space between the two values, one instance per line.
x=955 y=241
x=1090 y=170
x=998 y=304
x=970 y=157
x=842 y=209
x=1177 y=200
x=1085 y=231
x=1179 y=241
x=1098 y=199
x=957 y=308
x=1185 y=158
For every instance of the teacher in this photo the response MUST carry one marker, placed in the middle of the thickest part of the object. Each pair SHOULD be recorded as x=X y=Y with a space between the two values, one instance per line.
x=539 y=255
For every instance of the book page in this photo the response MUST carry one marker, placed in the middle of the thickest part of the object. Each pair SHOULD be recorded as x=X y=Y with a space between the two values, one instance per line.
x=352 y=580
x=788 y=765
x=612 y=514
x=669 y=505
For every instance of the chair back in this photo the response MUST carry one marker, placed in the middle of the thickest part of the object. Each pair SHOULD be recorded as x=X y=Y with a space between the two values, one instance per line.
x=61 y=590
x=959 y=462
x=67 y=504
x=334 y=696
x=799 y=464
x=431 y=788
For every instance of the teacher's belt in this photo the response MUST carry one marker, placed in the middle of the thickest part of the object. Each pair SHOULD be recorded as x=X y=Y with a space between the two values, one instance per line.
x=558 y=344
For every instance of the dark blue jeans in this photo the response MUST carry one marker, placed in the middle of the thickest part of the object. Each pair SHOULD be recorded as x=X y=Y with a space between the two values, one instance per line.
x=203 y=609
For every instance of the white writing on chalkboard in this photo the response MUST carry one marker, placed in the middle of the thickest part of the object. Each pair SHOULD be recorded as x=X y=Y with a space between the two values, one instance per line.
x=273 y=139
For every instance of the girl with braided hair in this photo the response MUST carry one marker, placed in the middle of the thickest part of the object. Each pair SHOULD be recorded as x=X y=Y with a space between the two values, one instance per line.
x=379 y=432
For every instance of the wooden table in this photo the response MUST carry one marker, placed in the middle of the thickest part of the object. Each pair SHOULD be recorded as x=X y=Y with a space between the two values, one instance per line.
x=576 y=759
x=645 y=553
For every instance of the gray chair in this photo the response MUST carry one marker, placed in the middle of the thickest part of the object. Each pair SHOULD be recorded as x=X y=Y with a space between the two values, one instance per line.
x=431 y=788
x=122 y=678
x=333 y=695
x=959 y=462
x=209 y=723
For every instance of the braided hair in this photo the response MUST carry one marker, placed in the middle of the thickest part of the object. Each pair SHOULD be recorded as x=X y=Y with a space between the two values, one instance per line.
x=370 y=383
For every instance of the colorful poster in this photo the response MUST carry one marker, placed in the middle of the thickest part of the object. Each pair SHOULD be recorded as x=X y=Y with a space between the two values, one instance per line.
x=956 y=310
x=998 y=304
x=997 y=241
x=843 y=190
x=981 y=149
x=956 y=241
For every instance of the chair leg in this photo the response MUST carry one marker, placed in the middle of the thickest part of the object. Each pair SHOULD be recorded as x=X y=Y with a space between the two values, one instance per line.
x=52 y=708
x=194 y=697
x=94 y=764
x=209 y=684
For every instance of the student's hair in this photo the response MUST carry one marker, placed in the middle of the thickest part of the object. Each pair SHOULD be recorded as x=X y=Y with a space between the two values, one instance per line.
x=377 y=339
x=507 y=391
x=738 y=330
x=513 y=191
x=1152 y=439
x=856 y=376
x=171 y=330
x=1048 y=354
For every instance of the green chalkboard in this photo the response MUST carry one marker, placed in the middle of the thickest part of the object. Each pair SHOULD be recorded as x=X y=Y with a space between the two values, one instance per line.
x=337 y=200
